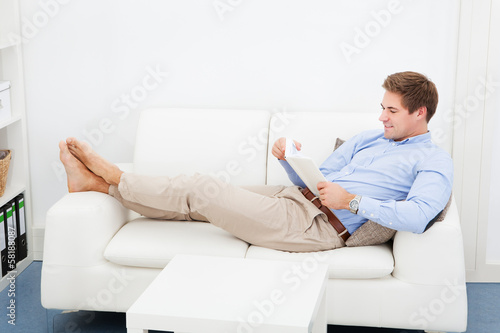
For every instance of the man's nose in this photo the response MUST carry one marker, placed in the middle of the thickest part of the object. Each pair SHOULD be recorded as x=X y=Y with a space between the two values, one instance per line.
x=383 y=116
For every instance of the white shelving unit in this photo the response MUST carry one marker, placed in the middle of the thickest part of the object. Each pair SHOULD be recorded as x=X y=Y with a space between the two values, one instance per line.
x=13 y=134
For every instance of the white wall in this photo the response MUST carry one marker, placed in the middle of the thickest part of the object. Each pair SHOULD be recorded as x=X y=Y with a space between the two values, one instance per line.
x=493 y=245
x=475 y=137
x=493 y=105
x=88 y=64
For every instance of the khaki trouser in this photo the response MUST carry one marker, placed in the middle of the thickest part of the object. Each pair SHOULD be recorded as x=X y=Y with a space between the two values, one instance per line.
x=277 y=217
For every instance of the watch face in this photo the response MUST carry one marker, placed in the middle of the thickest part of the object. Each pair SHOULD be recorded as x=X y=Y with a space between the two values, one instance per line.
x=353 y=204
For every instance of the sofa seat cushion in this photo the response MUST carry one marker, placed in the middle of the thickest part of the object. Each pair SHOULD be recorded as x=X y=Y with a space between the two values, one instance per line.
x=153 y=243
x=365 y=262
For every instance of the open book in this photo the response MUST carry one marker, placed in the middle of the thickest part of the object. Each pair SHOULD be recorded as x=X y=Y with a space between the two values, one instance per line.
x=304 y=166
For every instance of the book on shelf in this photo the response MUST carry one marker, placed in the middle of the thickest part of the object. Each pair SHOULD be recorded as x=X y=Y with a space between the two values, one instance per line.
x=12 y=248
x=3 y=243
x=22 y=244
x=13 y=240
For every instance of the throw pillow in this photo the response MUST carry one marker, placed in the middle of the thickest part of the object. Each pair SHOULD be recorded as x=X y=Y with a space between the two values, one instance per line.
x=370 y=233
x=338 y=143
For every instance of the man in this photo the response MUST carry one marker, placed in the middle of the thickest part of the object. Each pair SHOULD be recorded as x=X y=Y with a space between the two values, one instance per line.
x=396 y=177
x=404 y=180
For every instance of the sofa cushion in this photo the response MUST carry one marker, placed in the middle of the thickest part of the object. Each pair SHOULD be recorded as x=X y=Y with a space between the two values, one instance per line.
x=367 y=262
x=153 y=243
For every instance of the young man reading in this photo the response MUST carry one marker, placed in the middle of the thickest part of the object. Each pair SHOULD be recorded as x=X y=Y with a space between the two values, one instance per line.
x=396 y=177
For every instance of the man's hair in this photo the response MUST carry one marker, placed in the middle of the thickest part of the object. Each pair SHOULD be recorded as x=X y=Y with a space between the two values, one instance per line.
x=416 y=90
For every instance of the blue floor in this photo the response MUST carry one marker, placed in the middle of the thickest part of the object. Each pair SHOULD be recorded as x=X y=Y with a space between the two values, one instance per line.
x=31 y=317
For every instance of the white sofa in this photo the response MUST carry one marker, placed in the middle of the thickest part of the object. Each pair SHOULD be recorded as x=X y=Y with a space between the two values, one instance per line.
x=100 y=256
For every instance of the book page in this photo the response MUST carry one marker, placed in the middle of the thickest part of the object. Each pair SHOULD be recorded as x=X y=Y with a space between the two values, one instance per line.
x=304 y=166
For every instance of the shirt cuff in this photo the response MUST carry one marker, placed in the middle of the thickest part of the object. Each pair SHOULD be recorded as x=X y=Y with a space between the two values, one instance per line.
x=370 y=208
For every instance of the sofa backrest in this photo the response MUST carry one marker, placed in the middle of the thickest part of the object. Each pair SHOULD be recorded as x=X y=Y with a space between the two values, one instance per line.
x=317 y=132
x=230 y=144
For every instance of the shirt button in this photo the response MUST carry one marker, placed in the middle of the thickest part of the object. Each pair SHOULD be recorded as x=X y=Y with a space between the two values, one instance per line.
x=371 y=215
x=364 y=211
x=393 y=144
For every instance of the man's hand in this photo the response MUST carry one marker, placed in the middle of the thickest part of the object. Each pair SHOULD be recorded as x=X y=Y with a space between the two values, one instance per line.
x=334 y=196
x=280 y=146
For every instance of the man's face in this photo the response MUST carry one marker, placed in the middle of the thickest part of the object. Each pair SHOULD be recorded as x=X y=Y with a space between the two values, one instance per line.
x=399 y=124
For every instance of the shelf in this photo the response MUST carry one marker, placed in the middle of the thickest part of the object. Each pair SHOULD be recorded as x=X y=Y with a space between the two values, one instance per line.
x=21 y=266
x=10 y=193
x=5 y=123
x=13 y=132
x=5 y=43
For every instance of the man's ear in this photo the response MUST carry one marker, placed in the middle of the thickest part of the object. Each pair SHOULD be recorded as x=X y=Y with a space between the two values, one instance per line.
x=422 y=112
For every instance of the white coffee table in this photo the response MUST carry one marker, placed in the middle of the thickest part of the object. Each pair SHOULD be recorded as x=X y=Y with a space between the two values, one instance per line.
x=201 y=294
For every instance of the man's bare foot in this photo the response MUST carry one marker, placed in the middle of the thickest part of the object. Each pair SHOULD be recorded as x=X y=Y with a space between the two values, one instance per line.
x=80 y=179
x=96 y=163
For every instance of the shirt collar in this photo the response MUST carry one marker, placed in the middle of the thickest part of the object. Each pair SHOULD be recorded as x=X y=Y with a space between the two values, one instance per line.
x=426 y=137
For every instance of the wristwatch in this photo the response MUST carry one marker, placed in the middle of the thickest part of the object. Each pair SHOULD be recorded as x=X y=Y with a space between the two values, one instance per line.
x=354 y=204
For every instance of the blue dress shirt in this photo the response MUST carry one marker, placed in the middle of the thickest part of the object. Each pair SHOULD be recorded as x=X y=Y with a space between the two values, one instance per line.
x=403 y=184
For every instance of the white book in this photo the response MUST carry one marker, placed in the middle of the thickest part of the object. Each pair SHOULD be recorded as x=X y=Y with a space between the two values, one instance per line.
x=304 y=166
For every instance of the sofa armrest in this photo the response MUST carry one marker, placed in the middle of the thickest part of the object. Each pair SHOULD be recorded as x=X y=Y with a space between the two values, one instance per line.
x=79 y=227
x=435 y=257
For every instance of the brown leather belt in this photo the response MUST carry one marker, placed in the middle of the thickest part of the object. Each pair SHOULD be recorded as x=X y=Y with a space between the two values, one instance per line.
x=334 y=221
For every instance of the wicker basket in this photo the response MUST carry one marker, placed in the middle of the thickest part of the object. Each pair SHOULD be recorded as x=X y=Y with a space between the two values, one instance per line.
x=4 y=168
